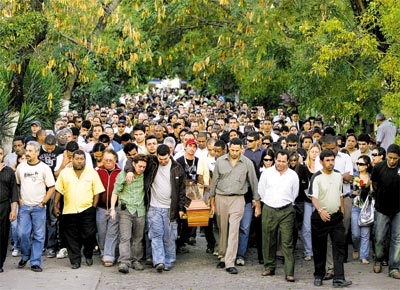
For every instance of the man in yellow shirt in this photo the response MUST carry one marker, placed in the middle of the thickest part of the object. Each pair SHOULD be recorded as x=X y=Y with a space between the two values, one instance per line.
x=81 y=187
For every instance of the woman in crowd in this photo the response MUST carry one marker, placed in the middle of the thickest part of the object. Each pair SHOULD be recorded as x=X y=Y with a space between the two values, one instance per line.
x=312 y=154
x=378 y=154
x=362 y=188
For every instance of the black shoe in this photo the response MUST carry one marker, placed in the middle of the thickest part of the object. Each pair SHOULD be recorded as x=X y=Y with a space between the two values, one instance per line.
x=317 y=282
x=231 y=270
x=221 y=265
x=328 y=276
x=1 y=270
x=210 y=250
x=89 y=261
x=75 y=266
x=340 y=283
x=22 y=263
x=36 y=268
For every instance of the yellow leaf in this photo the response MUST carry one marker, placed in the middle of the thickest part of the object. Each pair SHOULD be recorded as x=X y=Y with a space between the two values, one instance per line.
x=160 y=61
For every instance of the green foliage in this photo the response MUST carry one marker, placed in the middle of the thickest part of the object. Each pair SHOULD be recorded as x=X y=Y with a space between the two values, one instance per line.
x=5 y=117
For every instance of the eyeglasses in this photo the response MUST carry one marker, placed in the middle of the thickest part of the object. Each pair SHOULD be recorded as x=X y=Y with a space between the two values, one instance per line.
x=248 y=140
x=375 y=154
x=361 y=164
x=293 y=160
x=268 y=159
x=292 y=145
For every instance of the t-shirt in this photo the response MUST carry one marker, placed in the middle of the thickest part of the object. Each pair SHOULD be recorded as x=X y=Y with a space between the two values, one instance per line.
x=33 y=180
x=161 y=187
x=387 y=191
x=327 y=188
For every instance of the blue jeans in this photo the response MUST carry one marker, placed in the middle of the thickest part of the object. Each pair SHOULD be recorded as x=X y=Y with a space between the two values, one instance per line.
x=244 y=230
x=359 y=235
x=163 y=234
x=32 y=221
x=107 y=233
x=382 y=224
x=306 y=229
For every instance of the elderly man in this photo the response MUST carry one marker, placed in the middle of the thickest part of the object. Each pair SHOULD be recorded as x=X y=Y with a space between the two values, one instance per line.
x=80 y=187
x=36 y=183
x=386 y=131
x=107 y=227
x=232 y=175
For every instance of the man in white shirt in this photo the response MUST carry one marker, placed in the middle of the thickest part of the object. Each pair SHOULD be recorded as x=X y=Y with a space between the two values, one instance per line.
x=278 y=188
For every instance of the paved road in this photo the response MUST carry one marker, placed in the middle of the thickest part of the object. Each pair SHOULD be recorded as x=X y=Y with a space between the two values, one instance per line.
x=195 y=270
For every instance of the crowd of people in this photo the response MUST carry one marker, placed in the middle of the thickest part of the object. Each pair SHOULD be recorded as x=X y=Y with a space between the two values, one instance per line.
x=118 y=179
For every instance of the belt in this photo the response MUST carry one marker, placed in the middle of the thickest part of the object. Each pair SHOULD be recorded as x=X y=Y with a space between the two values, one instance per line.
x=280 y=208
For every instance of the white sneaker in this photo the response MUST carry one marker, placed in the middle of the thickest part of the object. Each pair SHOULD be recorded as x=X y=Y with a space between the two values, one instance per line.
x=63 y=253
x=240 y=262
x=16 y=253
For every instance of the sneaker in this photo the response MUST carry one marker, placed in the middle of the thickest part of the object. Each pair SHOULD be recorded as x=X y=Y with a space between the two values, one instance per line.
x=240 y=262
x=160 y=267
x=16 y=253
x=137 y=266
x=51 y=253
x=123 y=268
x=62 y=254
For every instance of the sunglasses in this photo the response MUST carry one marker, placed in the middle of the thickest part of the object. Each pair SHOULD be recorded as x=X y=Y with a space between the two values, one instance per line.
x=292 y=145
x=266 y=143
x=248 y=140
x=361 y=164
x=375 y=154
x=268 y=159
x=293 y=160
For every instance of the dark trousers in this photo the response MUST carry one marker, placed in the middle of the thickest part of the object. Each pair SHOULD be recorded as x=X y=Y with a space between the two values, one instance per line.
x=209 y=233
x=80 y=230
x=4 y=230
x=319 y=233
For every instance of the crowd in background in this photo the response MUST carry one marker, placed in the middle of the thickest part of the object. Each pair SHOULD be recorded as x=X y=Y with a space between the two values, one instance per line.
x=125 y=142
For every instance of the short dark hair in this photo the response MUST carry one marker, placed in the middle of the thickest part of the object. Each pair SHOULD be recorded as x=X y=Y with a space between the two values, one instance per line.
x=282 y=152
x=149 y=137
x=129 y=147
x=326 y=153
x=393 y=148
x=328 y=139
x=221 y=144
x=79 y=152
x=364 y=138
x=163 y=150
x=292 y=138
x=139 y=127
x=98 y=147
x=139 y=157
x=104 y=138
x=126 y=137
x=50 y=140
x=72 y=146
x=86 y=124
x=254 y=134
x=235 y=141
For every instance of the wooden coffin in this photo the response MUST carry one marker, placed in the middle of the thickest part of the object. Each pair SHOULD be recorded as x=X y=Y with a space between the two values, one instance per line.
x=198 y=213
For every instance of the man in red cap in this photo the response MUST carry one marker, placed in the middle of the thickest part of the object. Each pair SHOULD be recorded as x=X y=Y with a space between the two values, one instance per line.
x=189 y=164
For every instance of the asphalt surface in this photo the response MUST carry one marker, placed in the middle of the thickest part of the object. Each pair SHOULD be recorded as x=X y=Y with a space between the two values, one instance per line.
x=194 y=270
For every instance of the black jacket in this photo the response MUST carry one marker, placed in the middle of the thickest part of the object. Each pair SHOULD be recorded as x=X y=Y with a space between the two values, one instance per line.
x=178 y=193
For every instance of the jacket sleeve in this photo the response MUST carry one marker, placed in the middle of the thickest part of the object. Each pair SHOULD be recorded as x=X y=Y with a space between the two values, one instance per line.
x=181 y=189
